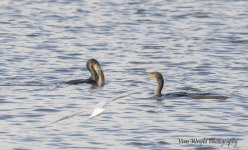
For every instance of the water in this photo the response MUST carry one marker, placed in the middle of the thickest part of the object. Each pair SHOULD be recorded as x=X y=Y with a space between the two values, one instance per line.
x=196 y=45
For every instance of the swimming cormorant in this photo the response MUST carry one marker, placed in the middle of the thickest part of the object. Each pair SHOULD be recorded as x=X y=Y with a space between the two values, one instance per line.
x=160 y=80
x=97 y=76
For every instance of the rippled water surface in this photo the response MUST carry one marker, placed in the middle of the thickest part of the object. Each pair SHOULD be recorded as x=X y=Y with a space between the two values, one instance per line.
x=198 y=45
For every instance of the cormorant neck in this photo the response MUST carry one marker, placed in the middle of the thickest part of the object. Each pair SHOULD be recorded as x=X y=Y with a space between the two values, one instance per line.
x=96 y=72
x=100 y=80
x=93 y=75
x=160 y=86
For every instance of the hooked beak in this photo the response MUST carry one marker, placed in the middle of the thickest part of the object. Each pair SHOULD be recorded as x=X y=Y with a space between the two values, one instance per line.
x=98 y=69
x=149 y=74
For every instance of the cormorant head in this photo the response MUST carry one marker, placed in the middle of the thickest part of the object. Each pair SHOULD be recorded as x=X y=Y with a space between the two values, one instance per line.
x=156 y=75
x=96 y=72
x=159 y=77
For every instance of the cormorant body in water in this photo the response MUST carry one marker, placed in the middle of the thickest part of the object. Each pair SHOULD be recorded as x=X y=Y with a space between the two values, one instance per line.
x=159 y=77
x=97 y=76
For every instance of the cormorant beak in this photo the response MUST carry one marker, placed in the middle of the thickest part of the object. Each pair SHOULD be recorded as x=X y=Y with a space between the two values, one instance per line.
x=149 y=74
x=98 y=69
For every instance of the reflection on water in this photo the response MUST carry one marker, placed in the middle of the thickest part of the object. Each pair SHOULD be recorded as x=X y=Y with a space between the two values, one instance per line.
x=198 y=46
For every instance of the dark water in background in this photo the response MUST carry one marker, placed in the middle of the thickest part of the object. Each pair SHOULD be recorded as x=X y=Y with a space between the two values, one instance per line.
x=196 y=44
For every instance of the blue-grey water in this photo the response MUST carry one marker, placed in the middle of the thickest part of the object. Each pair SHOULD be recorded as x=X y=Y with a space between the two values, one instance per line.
x=198 y=45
